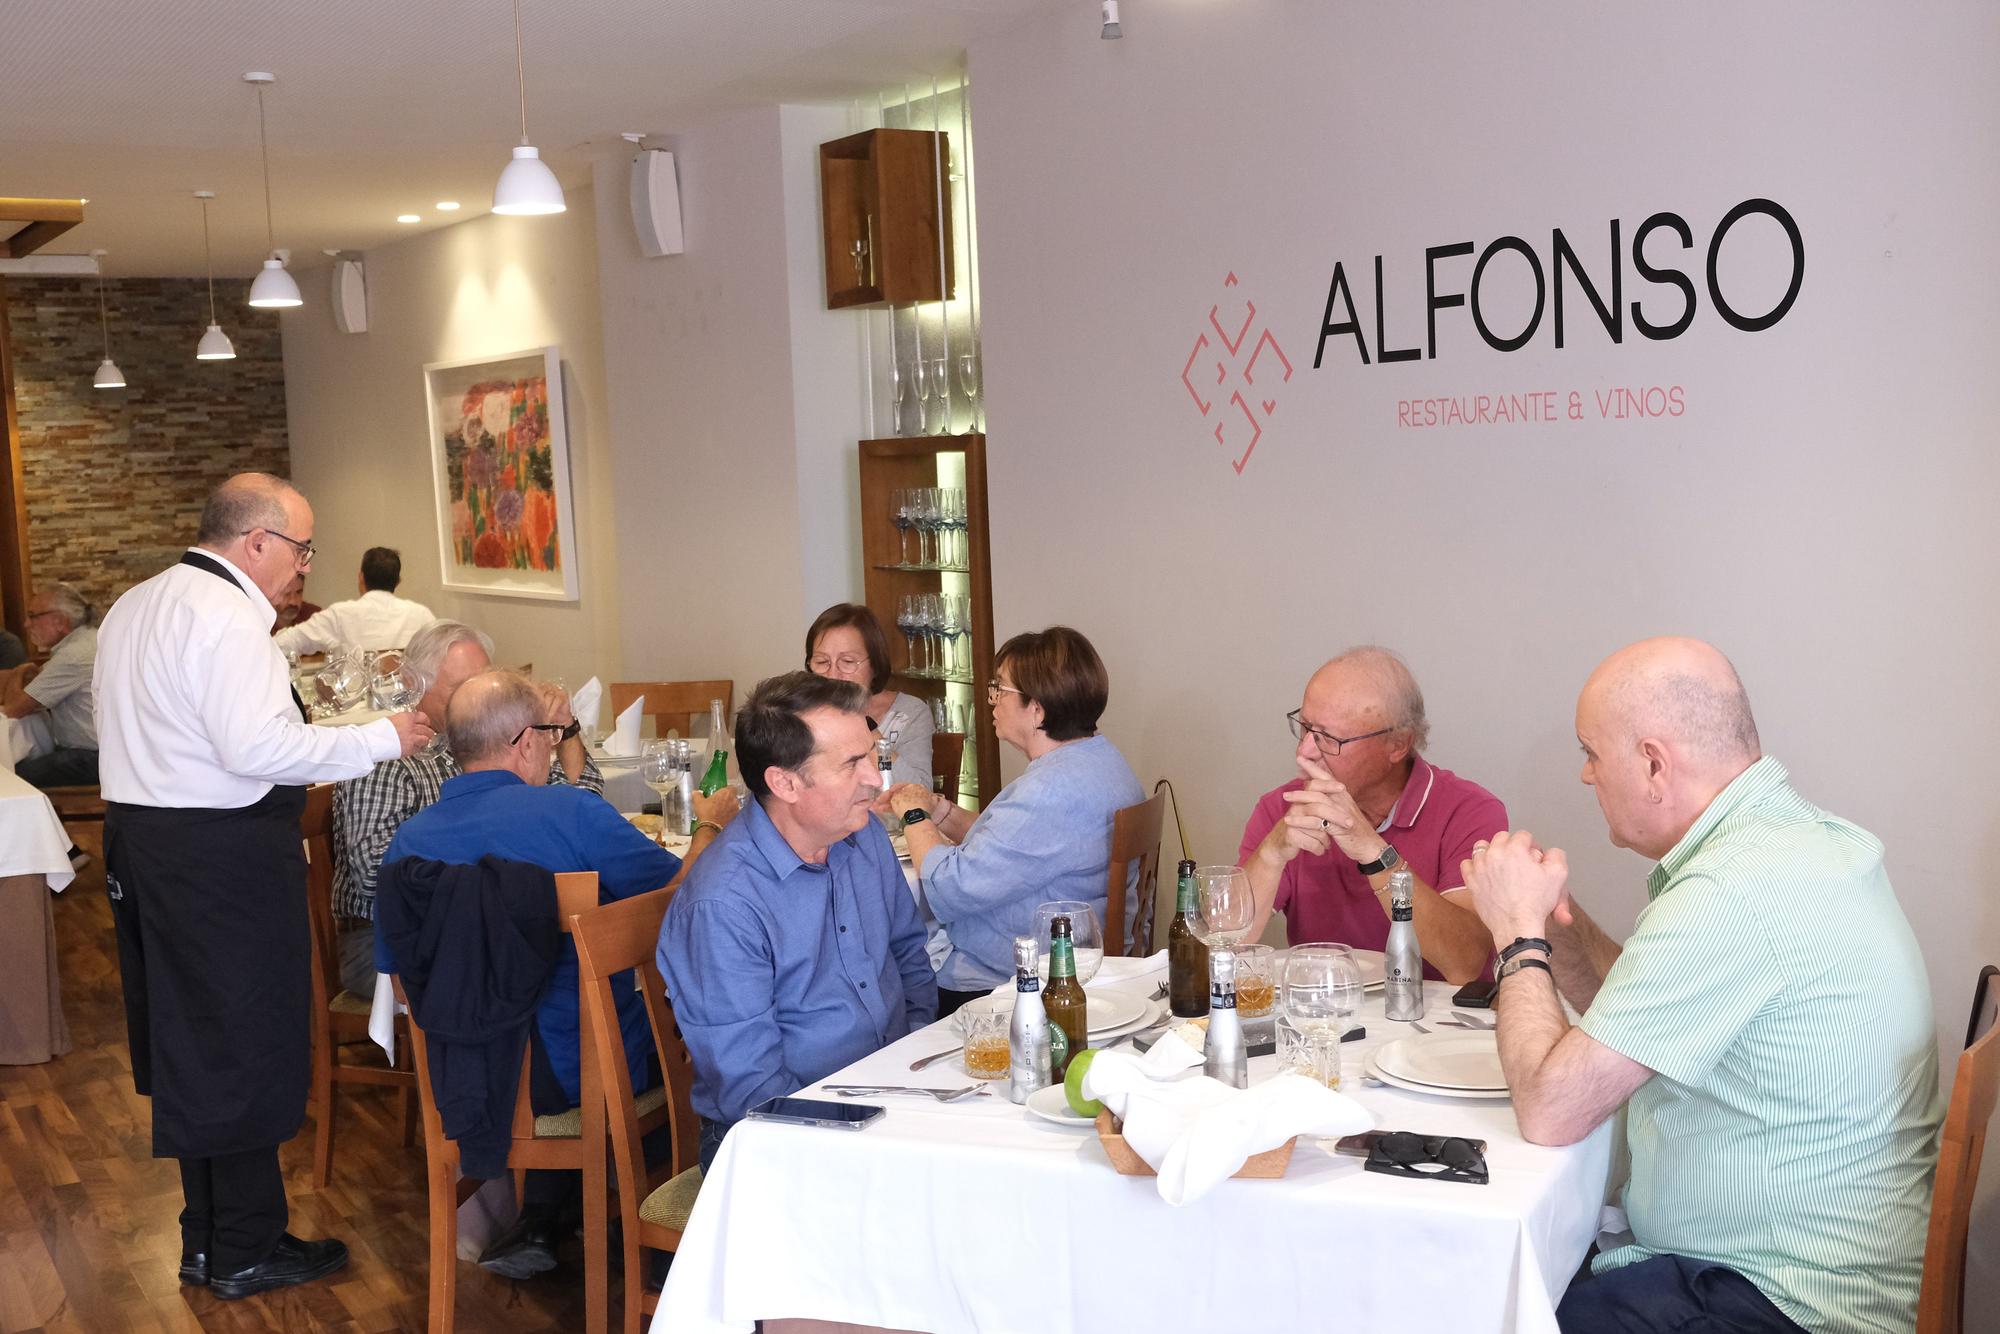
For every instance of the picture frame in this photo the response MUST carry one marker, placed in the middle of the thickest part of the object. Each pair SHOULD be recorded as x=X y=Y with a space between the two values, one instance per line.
x=500 y=469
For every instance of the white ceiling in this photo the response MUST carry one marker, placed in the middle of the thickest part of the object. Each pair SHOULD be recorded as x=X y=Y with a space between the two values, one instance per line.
x=387 y=106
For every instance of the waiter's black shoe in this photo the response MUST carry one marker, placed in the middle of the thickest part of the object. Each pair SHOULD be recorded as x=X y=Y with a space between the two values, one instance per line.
x=524 y=1250
x=194 y=1268
x=293 y=1262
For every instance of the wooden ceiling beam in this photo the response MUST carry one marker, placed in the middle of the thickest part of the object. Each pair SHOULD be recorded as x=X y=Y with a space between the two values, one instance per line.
x=46 y=219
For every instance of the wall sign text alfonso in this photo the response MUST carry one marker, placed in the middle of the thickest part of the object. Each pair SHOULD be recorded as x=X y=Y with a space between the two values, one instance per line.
x=1664 y=309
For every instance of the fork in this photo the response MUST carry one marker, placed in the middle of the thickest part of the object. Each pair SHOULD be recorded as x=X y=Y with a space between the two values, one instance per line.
x=876 y=1090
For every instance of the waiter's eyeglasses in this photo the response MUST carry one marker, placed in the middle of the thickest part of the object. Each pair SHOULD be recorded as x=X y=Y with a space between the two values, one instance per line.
x=555 y=731
x=304 y=549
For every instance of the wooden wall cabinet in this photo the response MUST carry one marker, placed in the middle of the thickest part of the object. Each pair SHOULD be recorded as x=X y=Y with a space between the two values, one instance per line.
x=880 y=210
x=918 y=461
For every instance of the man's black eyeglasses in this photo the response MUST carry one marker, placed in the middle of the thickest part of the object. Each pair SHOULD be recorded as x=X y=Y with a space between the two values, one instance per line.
x=557 y=731
x=305 y=549
x=1328 y=743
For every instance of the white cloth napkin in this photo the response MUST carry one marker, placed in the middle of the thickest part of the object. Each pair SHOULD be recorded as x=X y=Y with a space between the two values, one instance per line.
x=585 y=704
x=1196 y=1132
x=624 y=738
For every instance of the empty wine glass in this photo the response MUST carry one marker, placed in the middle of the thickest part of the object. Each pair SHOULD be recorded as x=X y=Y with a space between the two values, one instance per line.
x=1225 y=906
x=1320 y=988
x=906 y=621
x=1086 y=933
x=951 y=625
x=921 y=382
x=904 y=517
x=898 y=391
x=927 y=522
x=927 y=625
x=941 y=377
x=968 y=380
x=657 y=771
x=955 y=522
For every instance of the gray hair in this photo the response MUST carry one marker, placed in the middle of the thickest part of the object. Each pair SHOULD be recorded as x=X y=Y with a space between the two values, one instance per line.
x=428 y=647
x=63 y=598
x=487 y=713
x=1401 y=698
x=246 y=501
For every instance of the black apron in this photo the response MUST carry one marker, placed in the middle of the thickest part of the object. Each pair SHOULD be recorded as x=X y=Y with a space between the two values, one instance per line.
x=215 y=948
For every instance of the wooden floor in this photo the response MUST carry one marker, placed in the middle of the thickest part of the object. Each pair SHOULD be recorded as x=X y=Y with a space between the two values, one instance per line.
x=89 y=1232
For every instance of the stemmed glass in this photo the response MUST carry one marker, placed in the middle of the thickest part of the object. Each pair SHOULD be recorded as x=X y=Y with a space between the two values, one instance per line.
x=955 y=522
x=1320 y=989
x=1225 y=905
x=944 y=715
x=928 y=616
x=656 y=770
x=898 y=391
x=904 y=518
x=941 y=377
x=927 y=522
x=923 y=387
x=1085 y=931
x=951 y=624
x=906 y=621
x=968 y=380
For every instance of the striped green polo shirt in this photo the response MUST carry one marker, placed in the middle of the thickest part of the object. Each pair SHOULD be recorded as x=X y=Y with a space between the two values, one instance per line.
x=1790 y=1129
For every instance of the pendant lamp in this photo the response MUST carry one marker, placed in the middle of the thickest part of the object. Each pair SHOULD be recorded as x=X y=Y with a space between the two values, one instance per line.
x=108 y=375
x=274 y=288
x=215 y=344
x=526 y=187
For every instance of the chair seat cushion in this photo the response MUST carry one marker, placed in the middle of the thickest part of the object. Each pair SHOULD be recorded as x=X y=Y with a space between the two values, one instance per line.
x=569 y=1124
x=670 y=1205
x=346 y=1002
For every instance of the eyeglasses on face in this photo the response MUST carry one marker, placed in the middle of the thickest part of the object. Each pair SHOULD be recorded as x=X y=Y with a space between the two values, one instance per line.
x=555 y=732
x=305 y=550
x=994 y=690
x=1329 y=744
x=846 y=662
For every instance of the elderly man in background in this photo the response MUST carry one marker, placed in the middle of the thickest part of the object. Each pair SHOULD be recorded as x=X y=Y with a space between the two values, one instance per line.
x=795 y=946
x=498 y=804
x=204 y=759
x=1768 y=1021
x=1366 y=803
x=377 y=619
x=367 y=811
x=59 y=624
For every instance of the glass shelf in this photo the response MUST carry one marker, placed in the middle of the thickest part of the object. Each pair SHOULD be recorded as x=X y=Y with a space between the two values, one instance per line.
x=949 y=678
x=926 y=569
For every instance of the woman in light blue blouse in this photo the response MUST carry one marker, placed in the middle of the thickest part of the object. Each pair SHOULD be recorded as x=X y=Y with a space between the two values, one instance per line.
x=1046 y=836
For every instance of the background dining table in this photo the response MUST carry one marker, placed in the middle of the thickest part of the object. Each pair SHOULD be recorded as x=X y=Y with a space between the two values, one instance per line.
x=977 y=1215
x=34 y=861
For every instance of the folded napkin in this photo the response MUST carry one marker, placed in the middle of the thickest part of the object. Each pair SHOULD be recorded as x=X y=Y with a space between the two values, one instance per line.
x=586 y=703
x=624 y=738
x=1196 y=1132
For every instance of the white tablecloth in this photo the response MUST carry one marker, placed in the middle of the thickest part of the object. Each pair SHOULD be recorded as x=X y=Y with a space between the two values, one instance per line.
x=975 y=1216
x=32 y=840
x=21 y=738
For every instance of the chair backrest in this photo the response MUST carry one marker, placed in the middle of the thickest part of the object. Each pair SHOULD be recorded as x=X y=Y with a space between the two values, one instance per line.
x=673 y=703
x=316 y=833
x=610 y=940
x=947 y=754
x=1135 y=837
x=1985 y=1004
x=1974 y=1093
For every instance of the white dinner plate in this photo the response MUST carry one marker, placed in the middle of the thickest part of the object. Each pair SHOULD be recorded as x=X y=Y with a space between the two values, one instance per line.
x=1408 y=1086
x=1464 y=1061
x=1052 y=1104
x=1107 y=1008
x=1373 y=970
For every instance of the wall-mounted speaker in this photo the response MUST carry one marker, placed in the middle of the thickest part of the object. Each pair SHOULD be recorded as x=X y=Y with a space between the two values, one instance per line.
x=656 y=203
x=350 y=297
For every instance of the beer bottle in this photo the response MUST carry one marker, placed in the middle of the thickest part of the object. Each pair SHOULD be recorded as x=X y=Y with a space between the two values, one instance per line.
x=1223 y=1055
x=1187 y=957
x=1402 y=960
x=717 y=776
x=1028 y=1038
x=1064 y=1000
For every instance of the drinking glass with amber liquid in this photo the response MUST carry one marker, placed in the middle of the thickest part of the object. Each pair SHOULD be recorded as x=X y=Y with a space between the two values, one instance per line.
x=1256 y=981
x=986 y=1043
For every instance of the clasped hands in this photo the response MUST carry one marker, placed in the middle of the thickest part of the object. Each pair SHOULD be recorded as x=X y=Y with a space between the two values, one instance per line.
x=1321 y=815
x=1517 y=886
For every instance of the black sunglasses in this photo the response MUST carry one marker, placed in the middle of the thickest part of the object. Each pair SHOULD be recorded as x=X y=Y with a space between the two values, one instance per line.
x=1401 y=1153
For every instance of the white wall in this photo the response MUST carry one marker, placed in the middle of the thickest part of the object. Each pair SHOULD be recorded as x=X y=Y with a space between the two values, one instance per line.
x=358 y=417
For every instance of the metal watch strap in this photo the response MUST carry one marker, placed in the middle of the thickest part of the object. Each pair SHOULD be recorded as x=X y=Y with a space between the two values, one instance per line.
x=1514 y=966
x=1388 y=861
x=1525 y=943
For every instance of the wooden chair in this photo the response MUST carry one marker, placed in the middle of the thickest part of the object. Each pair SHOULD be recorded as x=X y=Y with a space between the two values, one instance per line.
x=84 y=804
x=653 y=1206
x=1135 y=837
x=572 y=1140
x=947 y=754
x=673 y=704
x=1985 y=1004
x=339 y=1017
x=1941 y=1299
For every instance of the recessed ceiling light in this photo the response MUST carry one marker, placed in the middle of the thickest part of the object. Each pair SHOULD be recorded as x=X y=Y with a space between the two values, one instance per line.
x=408 y=217
x=447 y=206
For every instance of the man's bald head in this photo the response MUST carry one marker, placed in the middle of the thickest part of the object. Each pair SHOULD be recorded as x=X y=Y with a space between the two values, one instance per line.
x=484 y=716
x=246 y=501
x=1686 y=693
x=1381 y=678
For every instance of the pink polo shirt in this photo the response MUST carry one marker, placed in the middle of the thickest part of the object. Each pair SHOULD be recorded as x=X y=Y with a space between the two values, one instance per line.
x=1435 y=823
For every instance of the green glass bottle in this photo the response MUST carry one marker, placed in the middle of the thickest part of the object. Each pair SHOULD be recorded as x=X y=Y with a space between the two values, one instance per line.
x=717 y=776
x=1187 y=957
x=1064 y=1001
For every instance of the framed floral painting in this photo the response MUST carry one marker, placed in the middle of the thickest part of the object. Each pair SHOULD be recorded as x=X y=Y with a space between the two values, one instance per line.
x=500 y=461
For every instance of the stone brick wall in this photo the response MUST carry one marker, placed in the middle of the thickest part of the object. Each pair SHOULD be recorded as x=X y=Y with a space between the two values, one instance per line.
x=115 y=478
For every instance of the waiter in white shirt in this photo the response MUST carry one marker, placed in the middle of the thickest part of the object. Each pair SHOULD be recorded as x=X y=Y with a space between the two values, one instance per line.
x=377 y=619
x=202 y=753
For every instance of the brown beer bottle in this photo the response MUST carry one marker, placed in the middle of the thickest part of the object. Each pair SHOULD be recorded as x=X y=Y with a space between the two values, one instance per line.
x=1064 y=1000
x=1187 y=957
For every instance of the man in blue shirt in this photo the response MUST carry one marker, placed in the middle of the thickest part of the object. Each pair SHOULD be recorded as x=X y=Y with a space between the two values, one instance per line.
x=501 y=805
x=795 y=947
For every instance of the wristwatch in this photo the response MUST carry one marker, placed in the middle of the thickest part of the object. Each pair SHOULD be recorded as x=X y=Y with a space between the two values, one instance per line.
x=1388 y=861
x=915 y=815
x=570 y=731
x=1513 y=966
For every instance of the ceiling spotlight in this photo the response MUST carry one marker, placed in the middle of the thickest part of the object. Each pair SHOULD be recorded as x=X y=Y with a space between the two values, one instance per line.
x=408 y=217
x=274 y=288
x=526 y=187
x=215 y=344
x=447 y=206
x=108 y=375
x=1111 y=32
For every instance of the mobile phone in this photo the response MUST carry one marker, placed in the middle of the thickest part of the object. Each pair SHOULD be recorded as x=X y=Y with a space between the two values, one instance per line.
x=814 y=1112
x=1476 y=995
x=1360 y=1146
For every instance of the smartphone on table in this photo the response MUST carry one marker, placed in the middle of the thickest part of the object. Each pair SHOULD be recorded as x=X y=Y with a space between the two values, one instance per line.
x=815 y=1112
x=1477 y=994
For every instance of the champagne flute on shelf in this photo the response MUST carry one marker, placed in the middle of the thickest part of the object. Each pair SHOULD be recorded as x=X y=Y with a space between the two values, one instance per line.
x=1225 y=905
x=903 y=517
x=955 y=521
x=898 y=391
x=906 y=621
x=941 y=377
x=921 y=382
x=968 y=380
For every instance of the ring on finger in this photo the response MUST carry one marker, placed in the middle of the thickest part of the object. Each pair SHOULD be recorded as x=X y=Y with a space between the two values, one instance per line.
x=1324 y=823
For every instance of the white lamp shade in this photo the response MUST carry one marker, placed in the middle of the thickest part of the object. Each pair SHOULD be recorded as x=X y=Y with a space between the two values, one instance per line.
x=274 y=288
x=527 y=187
x=215 y=346
x=108 y=375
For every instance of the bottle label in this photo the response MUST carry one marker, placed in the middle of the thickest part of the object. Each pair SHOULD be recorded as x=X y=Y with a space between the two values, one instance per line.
x=1058 y=1047
x=1028 y=982
x=1184 y=898
x=1062 y=962
x=1219 y=999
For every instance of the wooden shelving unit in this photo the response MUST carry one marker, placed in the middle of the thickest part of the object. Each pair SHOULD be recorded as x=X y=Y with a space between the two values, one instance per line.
x=939 y=460
x=878 y=191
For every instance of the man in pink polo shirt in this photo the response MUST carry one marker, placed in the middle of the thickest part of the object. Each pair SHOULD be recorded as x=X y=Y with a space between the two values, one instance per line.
x=1321 y=848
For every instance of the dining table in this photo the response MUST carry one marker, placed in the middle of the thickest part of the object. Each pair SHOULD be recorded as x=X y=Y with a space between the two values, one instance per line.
x=34 y=864
x=980 y=1214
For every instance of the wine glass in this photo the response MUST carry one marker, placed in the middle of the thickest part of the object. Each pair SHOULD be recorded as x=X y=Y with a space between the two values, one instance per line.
x=1319 y=991
x=929 y=518
x=955 y=514
x=1225 y=905
x=1085 y=931
x=922 y=385
x=941 y=377
x=927 y=625
x=906 y=621
x=656 y=770
x=951 y=625
x=904 y=517
x=898 y=391
x=968 y=380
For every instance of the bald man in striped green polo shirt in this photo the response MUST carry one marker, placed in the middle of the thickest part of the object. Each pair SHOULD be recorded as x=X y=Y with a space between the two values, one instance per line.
x=1769 y=1021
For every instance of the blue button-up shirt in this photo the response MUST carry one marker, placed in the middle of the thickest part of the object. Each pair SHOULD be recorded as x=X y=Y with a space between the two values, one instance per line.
x=781 y=971
x=494 y=813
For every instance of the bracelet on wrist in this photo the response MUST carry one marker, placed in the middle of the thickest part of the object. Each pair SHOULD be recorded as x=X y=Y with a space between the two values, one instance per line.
x=1524 y=943
x=700 y=825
